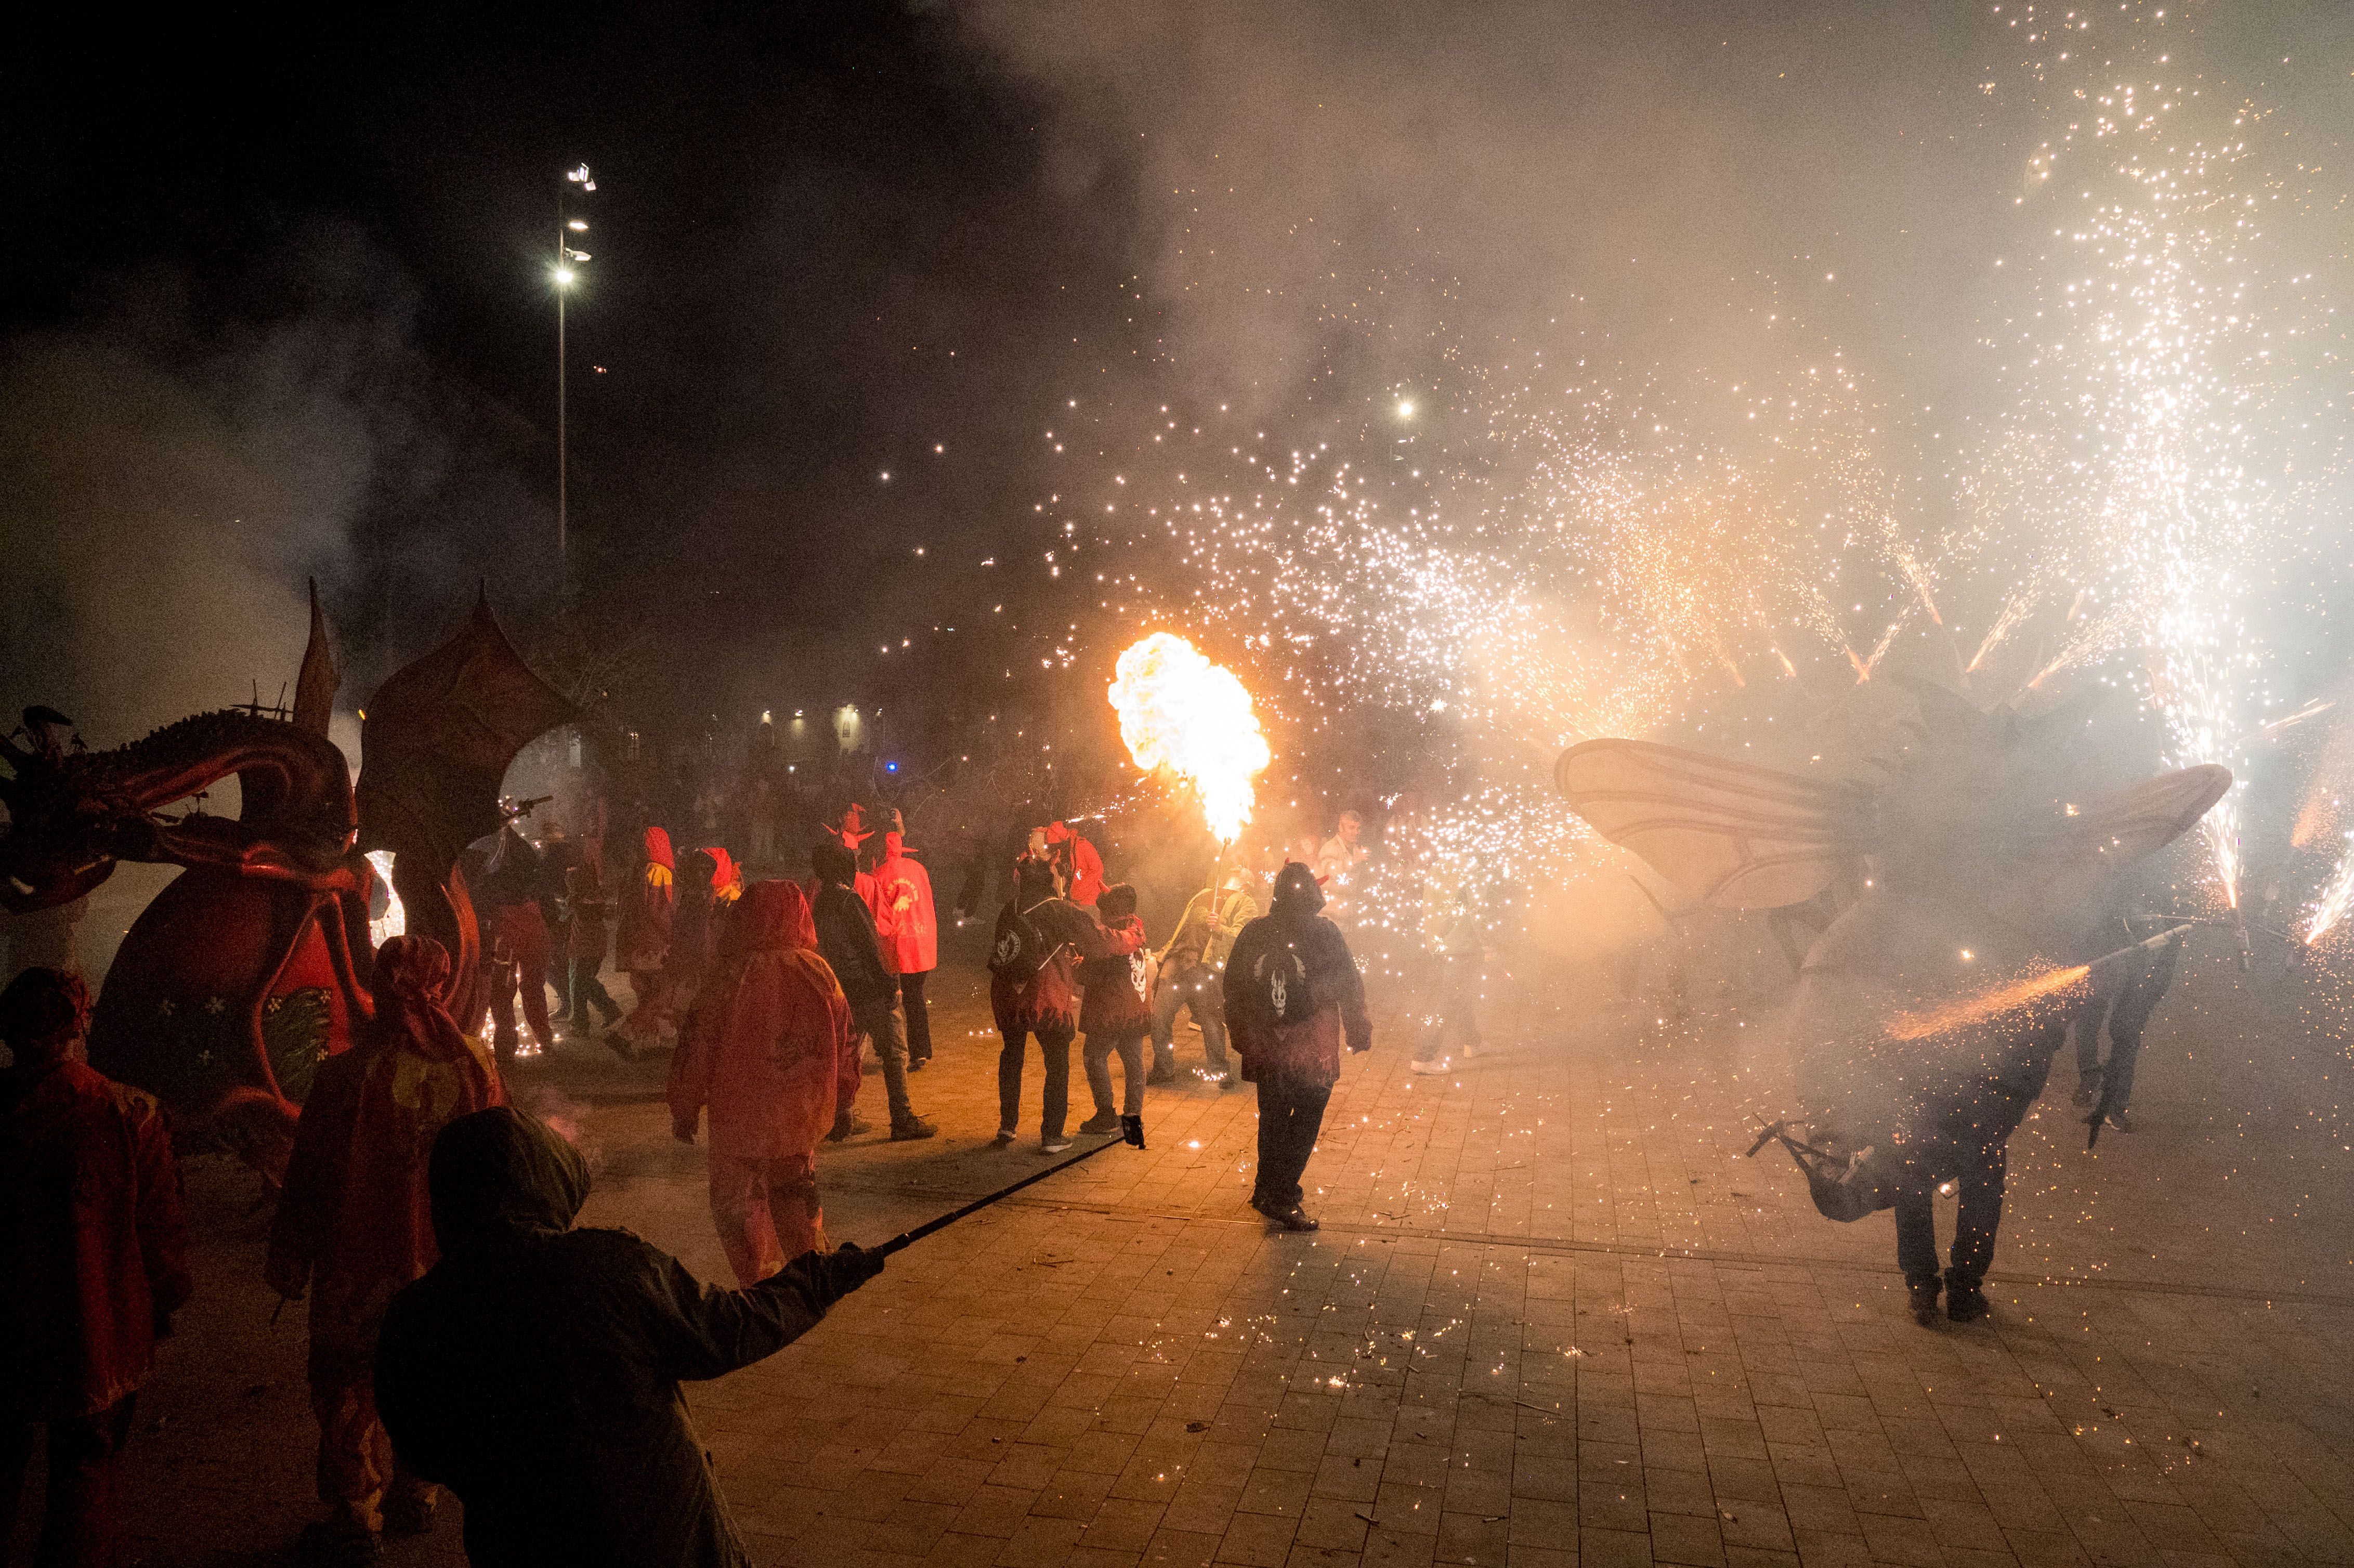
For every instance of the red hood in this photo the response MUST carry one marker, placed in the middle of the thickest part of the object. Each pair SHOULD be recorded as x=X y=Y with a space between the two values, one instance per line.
x=658 y=848
x=770 y=916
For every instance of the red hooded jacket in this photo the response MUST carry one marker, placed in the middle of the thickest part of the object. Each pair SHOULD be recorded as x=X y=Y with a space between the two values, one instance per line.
x=355 y=1216
x=1049 y=1002
x=1117 y=1002
x=906 y=926
x=767 y=1047
x=648 y=905
x=94 y=1247
x=1081 y=862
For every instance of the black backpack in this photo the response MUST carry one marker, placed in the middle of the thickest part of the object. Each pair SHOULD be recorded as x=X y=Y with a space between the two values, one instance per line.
x=1278 y=980
x=1021 y=949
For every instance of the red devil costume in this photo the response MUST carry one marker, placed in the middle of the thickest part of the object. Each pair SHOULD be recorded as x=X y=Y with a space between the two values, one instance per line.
x=1292 y=995
x=355 y=1226
x=769 y=1048
x=92 y=1263
x=643 y=943
x=1082 y=866
x=907 y=930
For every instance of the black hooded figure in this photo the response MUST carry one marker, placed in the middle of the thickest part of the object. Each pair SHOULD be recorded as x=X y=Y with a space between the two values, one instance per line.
x=569 y=1441
x=1292 y=995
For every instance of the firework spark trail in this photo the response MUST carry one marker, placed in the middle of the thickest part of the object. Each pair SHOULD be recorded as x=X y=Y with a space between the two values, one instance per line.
x=1993 y=1004
x=2158 y=344
x=2330 y=908
x=1529 y=552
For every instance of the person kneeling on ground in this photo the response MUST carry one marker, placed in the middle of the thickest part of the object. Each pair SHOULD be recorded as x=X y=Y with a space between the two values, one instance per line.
x=1293 y=991
x=569 y=1442
x=1115 y=1012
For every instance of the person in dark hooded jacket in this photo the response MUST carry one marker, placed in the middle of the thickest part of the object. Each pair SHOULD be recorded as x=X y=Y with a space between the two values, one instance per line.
x=571 y=1443
x=1292 y=994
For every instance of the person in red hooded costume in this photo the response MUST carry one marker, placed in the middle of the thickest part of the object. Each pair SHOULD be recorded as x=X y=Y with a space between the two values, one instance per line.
x=770 y=1049
x=907 y=929
x=641 y=947
x=354 y=1224
x=709 y=887
x=1082 y=867
x=93 y=1262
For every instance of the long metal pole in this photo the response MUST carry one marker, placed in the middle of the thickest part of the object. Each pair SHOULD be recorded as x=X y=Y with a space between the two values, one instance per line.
x=561 y=539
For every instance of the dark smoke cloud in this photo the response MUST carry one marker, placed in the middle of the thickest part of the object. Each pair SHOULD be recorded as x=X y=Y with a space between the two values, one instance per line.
x=1637 y=172
x=173 y=468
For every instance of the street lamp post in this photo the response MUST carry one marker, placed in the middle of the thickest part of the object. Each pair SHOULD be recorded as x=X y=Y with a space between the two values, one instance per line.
x=567 y=257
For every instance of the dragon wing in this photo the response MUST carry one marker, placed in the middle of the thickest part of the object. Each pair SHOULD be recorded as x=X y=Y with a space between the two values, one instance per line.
x=1725 y=834
x=438 y=739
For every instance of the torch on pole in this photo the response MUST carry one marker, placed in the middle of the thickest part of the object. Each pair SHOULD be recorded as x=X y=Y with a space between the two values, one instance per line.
x=1131 y=1133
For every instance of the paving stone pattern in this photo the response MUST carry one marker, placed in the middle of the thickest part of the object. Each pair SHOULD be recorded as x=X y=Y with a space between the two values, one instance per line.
x=1552 y=1317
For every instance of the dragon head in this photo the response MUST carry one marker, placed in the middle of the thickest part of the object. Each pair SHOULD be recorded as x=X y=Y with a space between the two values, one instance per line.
x=62 y=837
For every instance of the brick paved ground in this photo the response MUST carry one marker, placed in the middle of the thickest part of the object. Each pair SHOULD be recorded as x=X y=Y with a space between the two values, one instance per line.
x=1553 y=1317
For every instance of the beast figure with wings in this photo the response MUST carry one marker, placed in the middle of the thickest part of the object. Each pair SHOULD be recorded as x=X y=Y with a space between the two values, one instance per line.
x=251 y=966
x=1974 y=877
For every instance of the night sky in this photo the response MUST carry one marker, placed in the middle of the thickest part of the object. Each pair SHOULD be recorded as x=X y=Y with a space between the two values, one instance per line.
x=276 y=293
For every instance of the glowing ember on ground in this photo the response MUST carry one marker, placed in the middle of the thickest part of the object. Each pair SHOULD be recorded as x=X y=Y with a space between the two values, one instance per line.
x=1992 y=1005
x=1179 y=711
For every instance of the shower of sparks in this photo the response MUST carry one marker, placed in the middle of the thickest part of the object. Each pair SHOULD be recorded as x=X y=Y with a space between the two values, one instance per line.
x=2331 y=908
x=1532 y=549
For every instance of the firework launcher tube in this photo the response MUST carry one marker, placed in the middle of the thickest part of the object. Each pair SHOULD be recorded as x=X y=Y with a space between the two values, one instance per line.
x=1132 y=1132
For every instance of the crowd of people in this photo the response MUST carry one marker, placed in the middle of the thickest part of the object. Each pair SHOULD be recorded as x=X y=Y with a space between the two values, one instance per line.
x=420 y=1208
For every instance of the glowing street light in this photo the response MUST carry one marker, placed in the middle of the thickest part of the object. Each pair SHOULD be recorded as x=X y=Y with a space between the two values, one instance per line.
x=564 y=275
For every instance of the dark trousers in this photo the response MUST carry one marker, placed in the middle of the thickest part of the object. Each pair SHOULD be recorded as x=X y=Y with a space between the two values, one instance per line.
x=1055 y=1045
x=587 y=989
x=1975 y=1225
x=81 y=1525
x=919 y=1017
x=559 y=967
x=2117 y=1077
x=1290 y=1117
x=1097 y=1056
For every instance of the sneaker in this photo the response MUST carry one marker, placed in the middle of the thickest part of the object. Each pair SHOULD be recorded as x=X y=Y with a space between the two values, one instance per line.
x=1228 y=1081
x=1924 y=1299
x=849 y=1124
x=1055 y=1145
x=915 y=1064
x=1100 y=1123
x=1438 y=1066
x=914 y=1128
x=1004 y=1137
x=1965 y=1302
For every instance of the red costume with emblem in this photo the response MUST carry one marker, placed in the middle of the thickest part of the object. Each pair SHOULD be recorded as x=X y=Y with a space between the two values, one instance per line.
x=355 y=1223
x=768 y=1050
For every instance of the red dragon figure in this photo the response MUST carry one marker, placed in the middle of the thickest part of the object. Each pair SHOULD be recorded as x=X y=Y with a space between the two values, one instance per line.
x=250 y=967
